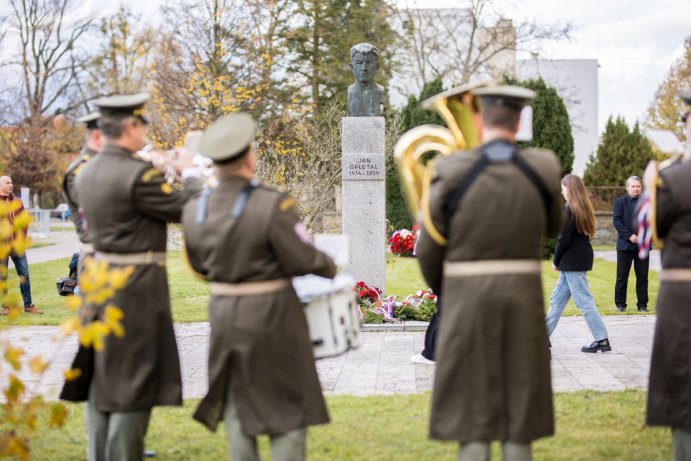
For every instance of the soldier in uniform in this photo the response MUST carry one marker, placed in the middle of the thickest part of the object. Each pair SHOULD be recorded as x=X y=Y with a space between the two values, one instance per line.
x=247 y=240
x=493 y=373
x=90 y=149
x=669 y=387
x=127 y=204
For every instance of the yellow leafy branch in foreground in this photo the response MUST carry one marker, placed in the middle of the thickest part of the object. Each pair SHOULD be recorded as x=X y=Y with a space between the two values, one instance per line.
x=99 y=284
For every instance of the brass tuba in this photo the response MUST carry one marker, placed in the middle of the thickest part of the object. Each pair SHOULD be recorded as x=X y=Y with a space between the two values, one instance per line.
x=458 y=107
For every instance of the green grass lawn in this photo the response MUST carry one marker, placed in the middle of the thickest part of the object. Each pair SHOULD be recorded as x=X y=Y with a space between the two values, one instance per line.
x=590 y=426
x=190 y=296
x=403 y=277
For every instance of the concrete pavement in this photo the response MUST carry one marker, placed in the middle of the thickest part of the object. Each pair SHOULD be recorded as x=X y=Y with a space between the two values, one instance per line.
x=381 y=365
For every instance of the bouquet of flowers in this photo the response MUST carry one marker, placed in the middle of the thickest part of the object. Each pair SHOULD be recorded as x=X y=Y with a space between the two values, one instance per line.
x=419 y=306
x=372 y=309
x=402 y=242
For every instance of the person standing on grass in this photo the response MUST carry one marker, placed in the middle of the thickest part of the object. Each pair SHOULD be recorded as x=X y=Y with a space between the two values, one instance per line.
x=127 y=204
x=623 y=217
x=669 y=386
x=480 y=246
x=248 y=241
x=14 y=207
x=573 y=257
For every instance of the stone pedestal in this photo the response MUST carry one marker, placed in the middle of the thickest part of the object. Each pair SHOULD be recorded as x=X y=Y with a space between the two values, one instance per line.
x=364 y=197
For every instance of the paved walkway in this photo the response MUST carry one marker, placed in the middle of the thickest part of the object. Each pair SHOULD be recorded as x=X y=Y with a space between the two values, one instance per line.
x=60 y=245
x=381 y=364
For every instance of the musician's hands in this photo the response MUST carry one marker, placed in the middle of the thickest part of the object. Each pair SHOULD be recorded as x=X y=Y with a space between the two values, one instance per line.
x=633 y=238
x=650 y=174
x=182 y=160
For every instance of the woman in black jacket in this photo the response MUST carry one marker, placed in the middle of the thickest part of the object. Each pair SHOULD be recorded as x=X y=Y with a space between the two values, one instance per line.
x=573 y=257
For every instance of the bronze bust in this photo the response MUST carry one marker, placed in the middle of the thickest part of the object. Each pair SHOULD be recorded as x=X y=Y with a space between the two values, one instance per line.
x=364 y=96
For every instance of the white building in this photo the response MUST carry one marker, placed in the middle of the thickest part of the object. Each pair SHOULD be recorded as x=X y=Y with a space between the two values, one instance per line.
x=576 y=82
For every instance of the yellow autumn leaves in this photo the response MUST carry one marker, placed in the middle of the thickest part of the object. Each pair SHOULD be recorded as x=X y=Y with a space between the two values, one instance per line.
x=98 y=284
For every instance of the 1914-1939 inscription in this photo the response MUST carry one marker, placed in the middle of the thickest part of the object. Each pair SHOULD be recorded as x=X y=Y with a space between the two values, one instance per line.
x=363 y=167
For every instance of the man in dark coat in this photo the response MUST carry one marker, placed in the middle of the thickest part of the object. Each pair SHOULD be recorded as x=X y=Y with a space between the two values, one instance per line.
x=127 y=204
x=623 y=217
x=247 y=240
x=669 y=387
x=91 y=147
x=481 y=246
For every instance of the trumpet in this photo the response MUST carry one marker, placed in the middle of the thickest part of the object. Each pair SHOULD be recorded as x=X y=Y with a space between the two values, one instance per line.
x=165 y=161
x=458 y=107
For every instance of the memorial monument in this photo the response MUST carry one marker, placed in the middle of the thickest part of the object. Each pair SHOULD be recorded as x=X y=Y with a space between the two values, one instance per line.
x=363 y=170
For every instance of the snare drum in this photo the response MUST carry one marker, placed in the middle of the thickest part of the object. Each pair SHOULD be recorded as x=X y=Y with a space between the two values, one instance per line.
x=332 y=315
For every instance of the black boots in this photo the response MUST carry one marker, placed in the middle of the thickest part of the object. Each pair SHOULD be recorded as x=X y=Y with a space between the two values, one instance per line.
x=595 y=346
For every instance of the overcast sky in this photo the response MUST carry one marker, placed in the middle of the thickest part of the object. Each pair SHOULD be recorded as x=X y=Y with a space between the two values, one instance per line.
x=634 y=41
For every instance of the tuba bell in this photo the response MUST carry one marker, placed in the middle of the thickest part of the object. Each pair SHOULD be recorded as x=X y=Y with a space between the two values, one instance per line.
x=457 y=107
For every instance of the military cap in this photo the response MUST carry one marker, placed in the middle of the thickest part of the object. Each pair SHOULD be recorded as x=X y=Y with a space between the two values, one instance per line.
x=505 y=95
x=90 y=120
x=228 y=137
x=685 y=95
x=123 y=105
x=456 y=91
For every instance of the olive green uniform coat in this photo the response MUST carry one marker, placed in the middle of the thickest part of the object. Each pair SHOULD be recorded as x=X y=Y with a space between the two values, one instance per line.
x=492 y=377
x=127 y=205
x=669 y=387
x=260 y=344
x=69 y=190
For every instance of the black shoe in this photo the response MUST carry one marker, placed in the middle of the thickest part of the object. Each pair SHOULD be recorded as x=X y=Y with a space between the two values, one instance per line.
x=602 y=346
x=642 y=309
x=621 y=308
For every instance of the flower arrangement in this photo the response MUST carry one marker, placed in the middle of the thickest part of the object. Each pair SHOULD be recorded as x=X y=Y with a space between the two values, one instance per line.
x=418 y=306
x=374 y=309
x=402 y=242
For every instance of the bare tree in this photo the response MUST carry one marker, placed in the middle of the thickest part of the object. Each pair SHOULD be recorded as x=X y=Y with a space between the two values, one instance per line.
x=46 y=61
x=457 y=44
x=47 y=40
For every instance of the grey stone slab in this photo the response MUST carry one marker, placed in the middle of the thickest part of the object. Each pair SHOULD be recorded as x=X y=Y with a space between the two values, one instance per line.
x=363 y=203
x=362 y=135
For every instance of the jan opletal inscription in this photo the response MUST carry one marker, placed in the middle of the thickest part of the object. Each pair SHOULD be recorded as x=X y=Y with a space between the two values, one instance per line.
x=363 y=167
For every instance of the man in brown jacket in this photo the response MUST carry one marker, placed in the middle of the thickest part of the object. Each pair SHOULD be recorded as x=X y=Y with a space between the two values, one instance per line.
x=247 y=240
x=481 y=246
x=669 y=387
x=127 y=204
x=13 y=207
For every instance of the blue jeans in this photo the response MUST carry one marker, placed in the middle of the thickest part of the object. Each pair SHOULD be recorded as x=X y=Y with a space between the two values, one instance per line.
x=22 y=266
x=575 y=284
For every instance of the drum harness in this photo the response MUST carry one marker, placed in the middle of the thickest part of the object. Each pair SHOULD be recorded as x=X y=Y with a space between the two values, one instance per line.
x=236 y=210
x=494 y=152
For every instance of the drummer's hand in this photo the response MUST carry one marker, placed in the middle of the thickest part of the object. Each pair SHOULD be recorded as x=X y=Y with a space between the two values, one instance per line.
x=182 y=160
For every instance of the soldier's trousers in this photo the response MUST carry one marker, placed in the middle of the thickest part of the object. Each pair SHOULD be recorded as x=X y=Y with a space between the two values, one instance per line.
x=479 y=451
x=114 y=436
x=289 y=446
x=681 y=440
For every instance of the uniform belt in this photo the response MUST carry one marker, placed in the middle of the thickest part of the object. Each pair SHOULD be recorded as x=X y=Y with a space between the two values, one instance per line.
x=248 y=288
x=491 y=267
x=149 y=257
x=675 y=275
